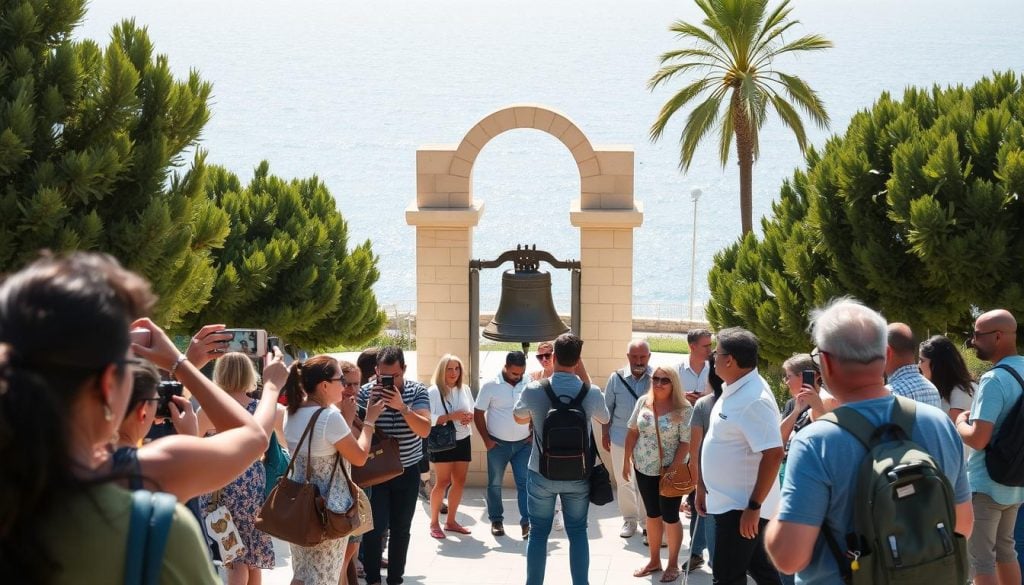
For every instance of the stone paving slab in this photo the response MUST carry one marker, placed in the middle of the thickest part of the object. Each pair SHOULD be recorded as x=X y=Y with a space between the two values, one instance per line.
x=482 y=559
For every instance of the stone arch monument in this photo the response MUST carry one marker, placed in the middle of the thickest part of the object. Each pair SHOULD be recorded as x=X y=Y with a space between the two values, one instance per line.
x=445 y=213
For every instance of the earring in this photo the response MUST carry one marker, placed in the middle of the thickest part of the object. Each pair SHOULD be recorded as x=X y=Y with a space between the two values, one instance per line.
x=107 y=413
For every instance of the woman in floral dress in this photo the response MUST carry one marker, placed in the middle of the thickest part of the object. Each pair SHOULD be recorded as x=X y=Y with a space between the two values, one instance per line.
x=666 y=406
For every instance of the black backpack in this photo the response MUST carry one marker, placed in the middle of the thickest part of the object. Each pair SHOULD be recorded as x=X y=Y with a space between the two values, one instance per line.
x=1004 y=454
x=565 y=443
x=904 y=508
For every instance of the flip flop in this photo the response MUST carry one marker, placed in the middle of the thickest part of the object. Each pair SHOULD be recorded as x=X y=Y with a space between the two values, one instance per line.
x=646 y=570
x=437 y=533
x=671 y=574
x=458 y=529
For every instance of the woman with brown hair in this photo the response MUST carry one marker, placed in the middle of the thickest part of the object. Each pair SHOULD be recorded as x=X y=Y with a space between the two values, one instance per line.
x=658 y=440
x=312 y=390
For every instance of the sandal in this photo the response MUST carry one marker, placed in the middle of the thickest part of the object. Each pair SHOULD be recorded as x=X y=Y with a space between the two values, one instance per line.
x=646 y=570
x=436 y=532
x=457 y=528
x=671 y=574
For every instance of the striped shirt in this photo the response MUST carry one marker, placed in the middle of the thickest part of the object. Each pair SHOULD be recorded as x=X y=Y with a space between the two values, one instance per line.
x=907 y=381
x=392 y=423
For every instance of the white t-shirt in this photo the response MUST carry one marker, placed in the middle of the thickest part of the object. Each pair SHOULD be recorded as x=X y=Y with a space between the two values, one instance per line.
x=460 y=400
x=496 y=399
x=744 y=422
x=330 y=428
x=960 y=399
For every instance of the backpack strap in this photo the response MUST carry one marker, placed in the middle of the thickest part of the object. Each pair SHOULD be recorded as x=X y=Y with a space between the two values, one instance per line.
x=581 y=395
x=148 y=529
x=1012 y=372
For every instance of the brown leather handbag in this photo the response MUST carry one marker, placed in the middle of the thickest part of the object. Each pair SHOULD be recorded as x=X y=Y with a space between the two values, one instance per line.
x=383 y=463
x=676 y=480
x=358 y=519
x=296 y=512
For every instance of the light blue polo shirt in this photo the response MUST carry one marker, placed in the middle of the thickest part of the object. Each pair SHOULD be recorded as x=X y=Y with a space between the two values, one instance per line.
x=620 y=401
x=997 y=392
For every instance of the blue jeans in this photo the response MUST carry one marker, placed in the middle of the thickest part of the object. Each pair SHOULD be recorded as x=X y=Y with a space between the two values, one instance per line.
x=1018 y=537
x=518 y=454
x=575 y=497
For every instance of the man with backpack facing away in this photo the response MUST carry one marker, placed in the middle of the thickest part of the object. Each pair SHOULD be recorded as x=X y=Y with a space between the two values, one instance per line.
x=989 y=428
x=558 y=461
x=823 y=531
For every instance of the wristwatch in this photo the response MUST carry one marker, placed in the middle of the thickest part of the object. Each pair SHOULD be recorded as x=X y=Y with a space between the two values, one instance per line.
x=752 y=505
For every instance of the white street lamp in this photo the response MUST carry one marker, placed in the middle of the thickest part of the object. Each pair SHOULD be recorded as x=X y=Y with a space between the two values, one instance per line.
x=695 y=195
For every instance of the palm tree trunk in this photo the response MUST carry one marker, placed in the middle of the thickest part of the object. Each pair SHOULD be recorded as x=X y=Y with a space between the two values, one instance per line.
x=745 y=156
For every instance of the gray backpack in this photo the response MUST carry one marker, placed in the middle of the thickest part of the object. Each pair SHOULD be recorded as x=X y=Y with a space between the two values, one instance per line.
x=904 y=509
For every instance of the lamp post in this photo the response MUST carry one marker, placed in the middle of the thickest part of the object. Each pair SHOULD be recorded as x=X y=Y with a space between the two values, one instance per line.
x=695 y=195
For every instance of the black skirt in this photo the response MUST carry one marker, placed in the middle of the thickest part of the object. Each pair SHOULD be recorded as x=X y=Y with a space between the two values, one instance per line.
x=462 y=452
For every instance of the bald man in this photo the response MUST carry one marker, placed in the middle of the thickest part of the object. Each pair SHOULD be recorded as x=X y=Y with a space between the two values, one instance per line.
x=991 y=546
x=901 y=371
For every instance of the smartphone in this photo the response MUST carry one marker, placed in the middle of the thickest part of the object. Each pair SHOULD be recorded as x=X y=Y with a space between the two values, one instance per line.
x=141 y=336
x=808 y=377
x=252 y=342
x=388 y=382
x=272 y=342
x=166 y=390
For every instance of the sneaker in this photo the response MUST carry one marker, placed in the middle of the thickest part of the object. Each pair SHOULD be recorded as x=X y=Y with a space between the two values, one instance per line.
x=444 y=508
x=526 y=530
x=645 y=537
x=497 y=529
x=693 y=564
x=557 y=523
x=628 y=529
x=425 y=491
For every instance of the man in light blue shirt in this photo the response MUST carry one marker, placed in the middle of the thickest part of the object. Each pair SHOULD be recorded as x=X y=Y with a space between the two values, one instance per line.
x=901 y=369
x=694 y=370
x=625 y=387
x=533 y=406
x=822 y=470
x=993 y=556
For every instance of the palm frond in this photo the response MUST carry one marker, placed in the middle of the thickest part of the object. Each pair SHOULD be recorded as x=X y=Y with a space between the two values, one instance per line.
x=768 y=37
x=790 y=118
x=709 y=55
x=725 y=138
x=806 y=98
x=700 y=121
x=685 y=29
x=673 y=105
x=772 y=24
x=666 y=73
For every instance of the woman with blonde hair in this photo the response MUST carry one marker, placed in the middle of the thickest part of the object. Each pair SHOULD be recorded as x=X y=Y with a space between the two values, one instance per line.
x=658 y=440
x=235 y=374
x=450 y=402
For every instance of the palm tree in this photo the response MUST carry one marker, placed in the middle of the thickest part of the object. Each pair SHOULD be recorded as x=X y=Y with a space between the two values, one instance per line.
x=734 y=50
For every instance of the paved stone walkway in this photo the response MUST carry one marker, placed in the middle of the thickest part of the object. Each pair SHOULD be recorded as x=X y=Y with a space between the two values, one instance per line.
x=482 y=559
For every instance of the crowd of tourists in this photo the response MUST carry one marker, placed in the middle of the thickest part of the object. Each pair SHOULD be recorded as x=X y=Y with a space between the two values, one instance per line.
x=779 y=495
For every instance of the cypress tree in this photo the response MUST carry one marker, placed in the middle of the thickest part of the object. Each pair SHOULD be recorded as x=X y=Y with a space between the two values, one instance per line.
x=92 y=153
x=915 y=210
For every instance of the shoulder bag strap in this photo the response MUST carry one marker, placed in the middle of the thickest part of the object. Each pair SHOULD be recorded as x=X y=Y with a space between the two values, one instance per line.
x=1012 y=372
x=626 y=384
x=657 y=431
x=298 y=446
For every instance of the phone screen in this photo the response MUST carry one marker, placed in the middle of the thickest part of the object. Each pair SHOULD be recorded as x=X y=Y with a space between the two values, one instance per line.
x=166 y=390
x=808 y=377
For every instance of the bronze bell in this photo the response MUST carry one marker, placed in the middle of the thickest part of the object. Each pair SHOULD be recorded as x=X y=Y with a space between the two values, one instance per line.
x=526 y=312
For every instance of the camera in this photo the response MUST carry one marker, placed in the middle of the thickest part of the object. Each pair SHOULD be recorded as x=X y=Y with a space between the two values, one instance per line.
x=165 y=391
x=252 y=342
x=808 y=377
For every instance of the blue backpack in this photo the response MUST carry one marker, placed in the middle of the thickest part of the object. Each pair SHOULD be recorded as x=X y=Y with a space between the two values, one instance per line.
x=152 y=514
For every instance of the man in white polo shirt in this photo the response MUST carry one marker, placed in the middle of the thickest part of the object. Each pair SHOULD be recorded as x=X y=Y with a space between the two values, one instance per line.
x=740 y=461
x=506 y=440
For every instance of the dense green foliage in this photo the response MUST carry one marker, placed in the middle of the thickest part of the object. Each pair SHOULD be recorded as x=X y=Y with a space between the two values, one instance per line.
x=915 y=211
x=732 y=55
x=286 y=266
x=93 y=149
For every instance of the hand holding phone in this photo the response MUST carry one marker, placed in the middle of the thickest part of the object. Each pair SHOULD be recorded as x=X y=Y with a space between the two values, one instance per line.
x=808 y=377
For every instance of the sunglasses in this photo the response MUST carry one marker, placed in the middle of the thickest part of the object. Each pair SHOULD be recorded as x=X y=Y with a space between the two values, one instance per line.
x=543 y=357
x=659 y=381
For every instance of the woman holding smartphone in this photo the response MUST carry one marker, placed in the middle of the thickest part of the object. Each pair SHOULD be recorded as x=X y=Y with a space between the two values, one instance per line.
x=450 y=402
x=312 y=389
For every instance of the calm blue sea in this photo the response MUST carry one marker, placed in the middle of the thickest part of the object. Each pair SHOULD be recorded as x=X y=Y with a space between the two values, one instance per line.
x=348 y=91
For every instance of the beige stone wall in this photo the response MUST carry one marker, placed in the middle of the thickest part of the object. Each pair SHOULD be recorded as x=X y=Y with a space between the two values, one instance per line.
x=444 y=214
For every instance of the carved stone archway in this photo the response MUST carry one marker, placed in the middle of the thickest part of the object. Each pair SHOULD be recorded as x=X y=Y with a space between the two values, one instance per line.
x=445 y=212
